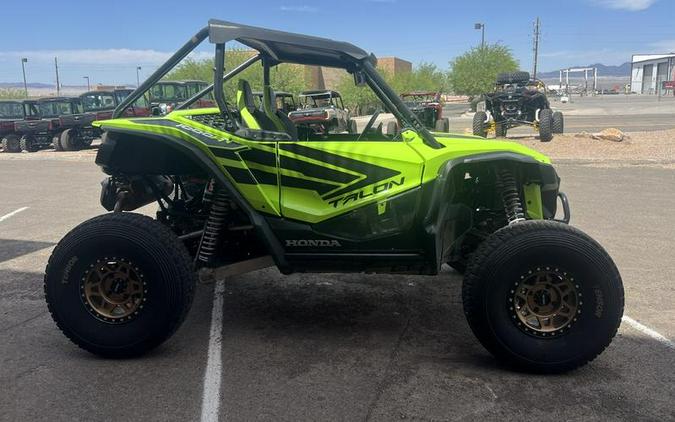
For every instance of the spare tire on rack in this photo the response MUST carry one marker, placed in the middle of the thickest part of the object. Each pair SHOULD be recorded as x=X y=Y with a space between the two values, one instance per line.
x=513 y=78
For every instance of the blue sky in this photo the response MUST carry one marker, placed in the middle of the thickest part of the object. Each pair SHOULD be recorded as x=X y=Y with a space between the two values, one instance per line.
x=107 y=40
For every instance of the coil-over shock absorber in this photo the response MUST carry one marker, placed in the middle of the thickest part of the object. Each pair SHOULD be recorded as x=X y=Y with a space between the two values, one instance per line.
x=513 y=206
x=215 y=223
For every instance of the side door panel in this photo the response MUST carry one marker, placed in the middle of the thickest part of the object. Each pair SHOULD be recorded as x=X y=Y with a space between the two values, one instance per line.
x=323 y=179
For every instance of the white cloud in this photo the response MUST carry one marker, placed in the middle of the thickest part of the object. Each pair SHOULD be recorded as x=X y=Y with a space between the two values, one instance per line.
x=301 y=9
x=631 y=5
x=663 y=46
x=113 y=56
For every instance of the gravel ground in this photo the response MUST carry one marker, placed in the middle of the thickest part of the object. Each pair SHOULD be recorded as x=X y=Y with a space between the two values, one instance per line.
x=657 y=147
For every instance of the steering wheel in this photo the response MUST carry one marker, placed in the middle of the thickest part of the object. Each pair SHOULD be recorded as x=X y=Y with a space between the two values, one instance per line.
x=369 y=125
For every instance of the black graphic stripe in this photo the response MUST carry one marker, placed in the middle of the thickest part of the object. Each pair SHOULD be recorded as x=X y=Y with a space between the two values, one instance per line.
x=264 y=178
x=296 y=182
x=259 y=156
x=240 y=175
x=373 y=173
x=225 y=153
x=316 y=171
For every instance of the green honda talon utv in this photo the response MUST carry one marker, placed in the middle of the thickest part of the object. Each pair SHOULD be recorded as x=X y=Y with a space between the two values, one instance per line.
x=239 y=188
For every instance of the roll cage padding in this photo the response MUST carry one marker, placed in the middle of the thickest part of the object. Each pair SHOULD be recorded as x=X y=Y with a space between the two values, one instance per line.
x=113 y=151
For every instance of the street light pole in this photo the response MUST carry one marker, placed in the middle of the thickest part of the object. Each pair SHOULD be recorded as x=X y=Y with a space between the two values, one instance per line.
x=481 y=26
x=23 y=69
x=87 y=78
x=138 y=78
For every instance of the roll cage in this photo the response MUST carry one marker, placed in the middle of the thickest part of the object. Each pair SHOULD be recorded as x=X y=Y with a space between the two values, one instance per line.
x=275 y=47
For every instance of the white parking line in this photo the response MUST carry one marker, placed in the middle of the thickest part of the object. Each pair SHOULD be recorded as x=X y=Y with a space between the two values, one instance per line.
x=6 y=216
x=651 y=333
x=212 y=374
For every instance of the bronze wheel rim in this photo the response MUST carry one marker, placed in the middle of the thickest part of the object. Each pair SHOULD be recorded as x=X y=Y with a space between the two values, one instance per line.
x=545 y=302
x=113 y=290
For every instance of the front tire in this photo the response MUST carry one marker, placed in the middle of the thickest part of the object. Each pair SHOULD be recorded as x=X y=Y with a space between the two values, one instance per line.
x=11 y=143
x=479 y=125
x=543 y=296
x=118 y=285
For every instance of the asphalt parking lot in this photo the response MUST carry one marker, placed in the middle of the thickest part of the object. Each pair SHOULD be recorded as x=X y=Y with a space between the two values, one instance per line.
x=333 y=347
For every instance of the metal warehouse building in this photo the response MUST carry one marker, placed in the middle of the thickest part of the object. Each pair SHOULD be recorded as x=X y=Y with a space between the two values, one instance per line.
x=648 y=71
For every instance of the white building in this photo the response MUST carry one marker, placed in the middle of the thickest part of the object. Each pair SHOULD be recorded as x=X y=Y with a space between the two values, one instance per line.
x=648 y=71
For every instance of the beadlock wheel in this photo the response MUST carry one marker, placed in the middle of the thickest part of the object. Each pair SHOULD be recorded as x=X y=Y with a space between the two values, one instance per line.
x=113 y=290
x=545 y=302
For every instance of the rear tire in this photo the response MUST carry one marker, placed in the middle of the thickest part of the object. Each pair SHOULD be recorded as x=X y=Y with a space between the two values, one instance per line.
x=118 y=285
x=56 y=140
x=443 y=125
x=28 y=144
x=545 y=125
x=543 y=296
x=479 y=126
x=352 y=128
x=11 y=143
x=558 y=124
x=68 y=140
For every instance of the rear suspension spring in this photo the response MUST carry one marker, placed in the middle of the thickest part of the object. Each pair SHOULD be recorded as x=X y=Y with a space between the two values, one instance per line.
x=216 y=221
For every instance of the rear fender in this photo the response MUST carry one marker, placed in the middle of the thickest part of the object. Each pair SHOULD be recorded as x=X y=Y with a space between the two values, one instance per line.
x=129 y=152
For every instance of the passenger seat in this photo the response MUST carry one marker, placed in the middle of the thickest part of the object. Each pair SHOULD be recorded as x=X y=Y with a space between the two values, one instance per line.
x=251 y=116
x=278 y=117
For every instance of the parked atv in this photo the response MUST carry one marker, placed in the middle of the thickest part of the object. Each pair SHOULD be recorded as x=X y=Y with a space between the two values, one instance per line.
x=245 y=190
x=165 y=96
x=285 y=101
x=11 y=111
x=64 y=124
x=517 y=101
x=103 y=103
x=324 y=112
x=428 y=108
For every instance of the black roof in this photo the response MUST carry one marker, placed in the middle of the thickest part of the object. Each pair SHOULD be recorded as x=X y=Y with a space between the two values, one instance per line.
x=317 y=92
x=289 y=47
x=277 y=93
x=46 y=99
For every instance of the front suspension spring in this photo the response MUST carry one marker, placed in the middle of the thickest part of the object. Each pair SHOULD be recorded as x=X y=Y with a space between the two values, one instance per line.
x=513 y=206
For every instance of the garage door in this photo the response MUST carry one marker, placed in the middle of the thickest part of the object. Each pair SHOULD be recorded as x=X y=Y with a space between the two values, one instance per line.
x=661 y=75
x=647 y=79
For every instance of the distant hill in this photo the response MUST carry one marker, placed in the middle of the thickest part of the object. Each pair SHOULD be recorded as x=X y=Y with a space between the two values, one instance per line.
x=603 y=70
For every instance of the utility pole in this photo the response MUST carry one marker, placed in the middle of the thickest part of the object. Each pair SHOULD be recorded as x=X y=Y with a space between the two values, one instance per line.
x=138 y=78
x=481 y=26
x=58 y=84
x=536 y=47
x=23 y=69
x=87 y=78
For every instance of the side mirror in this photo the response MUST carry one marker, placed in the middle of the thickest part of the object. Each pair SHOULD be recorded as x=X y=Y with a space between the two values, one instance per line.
x=359 y=78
